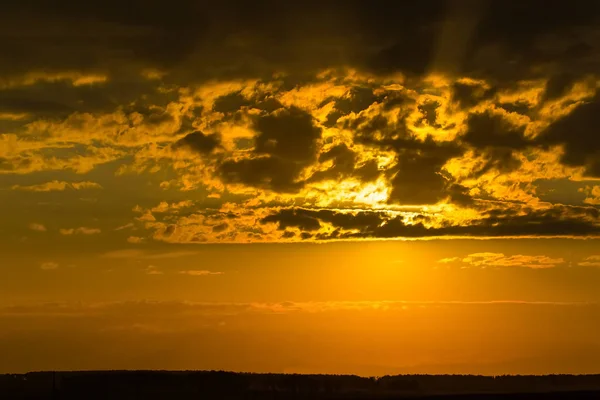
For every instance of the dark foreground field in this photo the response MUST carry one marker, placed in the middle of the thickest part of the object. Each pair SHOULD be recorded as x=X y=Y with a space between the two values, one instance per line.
x=116 y=385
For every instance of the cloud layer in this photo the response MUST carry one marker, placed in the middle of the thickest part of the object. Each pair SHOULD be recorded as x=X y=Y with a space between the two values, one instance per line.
x=280 y=122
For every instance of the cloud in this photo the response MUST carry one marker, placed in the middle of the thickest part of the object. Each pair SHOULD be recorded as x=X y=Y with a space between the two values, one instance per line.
x=152 y=270
x=148 y=255
x=591 y=261
x=187 y=308
x=163 y=206
x=47 y=266
x=382 y=224
x=574 y=132
x=80 y=231
x=199 y=142
x=500 y=260
x=85 y=185
x=194 y=272
x=126 y=226
x=592 y=195
x=399 y=126
x=417 y=176
x=58 y=186
x=135 y=239
x=37 y=227
x=448 y=260
x=285 y=143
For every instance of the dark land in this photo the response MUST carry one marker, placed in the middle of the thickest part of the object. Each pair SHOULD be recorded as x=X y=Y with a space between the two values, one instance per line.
x=216 y=385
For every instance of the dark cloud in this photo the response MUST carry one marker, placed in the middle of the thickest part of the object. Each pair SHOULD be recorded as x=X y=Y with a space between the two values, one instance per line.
x=41 y=108
x=556 y=221
x=287 y=133
x=500 y=159
x=345 y=165
x=519 y=107
x=495 y=139
x=199 y=142
x=285 y=143
x=202 y=39
x=417 y=177
x=429 y=112
x=269 y=105
x=487 y=130
x=558 y=85
x=310 y=220
x=459 y=194
x=578 y=132
x=297 y=218
x=357 y=100
x=264 y=172
x=230 y=103
x=220 y=227
x=468 y=95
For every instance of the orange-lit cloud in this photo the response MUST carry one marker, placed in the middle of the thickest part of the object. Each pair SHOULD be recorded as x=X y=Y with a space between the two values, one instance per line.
x=82 y=230
x=500 y=260
x=58 y=186
x=37 y=227
x=200 y=272
x=50 y=265
x=591 y=261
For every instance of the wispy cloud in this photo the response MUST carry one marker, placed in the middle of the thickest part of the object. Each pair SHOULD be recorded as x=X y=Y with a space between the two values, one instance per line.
x=46 y=266
x=194 y=272
x=591 y=261
x=152 y=308
x=486 y=259
x=147 y=255
x=80 y=231
x=58 y=186
x=126 y=226
x=37 y=227
x=153 y=270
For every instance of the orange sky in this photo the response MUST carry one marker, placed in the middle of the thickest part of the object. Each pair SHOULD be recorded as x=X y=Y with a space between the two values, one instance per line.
x=281 y=187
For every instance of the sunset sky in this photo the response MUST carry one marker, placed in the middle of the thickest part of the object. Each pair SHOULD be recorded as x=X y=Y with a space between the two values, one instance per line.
x=368 y=187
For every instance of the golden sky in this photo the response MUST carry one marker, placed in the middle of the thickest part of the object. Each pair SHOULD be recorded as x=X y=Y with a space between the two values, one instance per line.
x=373 y=188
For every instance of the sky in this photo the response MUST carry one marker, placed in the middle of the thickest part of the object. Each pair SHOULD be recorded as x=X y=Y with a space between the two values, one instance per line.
x=319 y=187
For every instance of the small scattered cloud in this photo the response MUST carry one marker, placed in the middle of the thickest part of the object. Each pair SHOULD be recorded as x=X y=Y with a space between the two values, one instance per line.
x=146 y=217
x=164 y=207
x=591 y=261
x=135 y=239
x=194 y=272
x=80 y=231
x=37 y=227
x=47 y=266
x=58 y=186
x=449 y=260
x=153 y=270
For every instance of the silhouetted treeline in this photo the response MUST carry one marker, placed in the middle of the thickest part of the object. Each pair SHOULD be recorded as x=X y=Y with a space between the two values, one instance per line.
x=228 y=385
